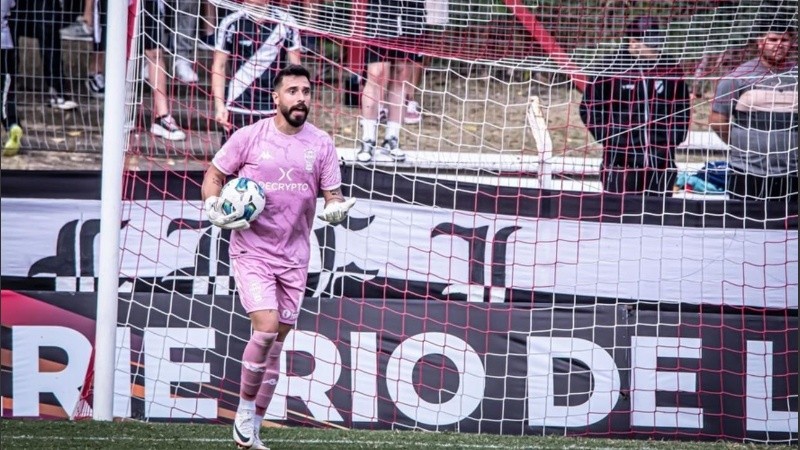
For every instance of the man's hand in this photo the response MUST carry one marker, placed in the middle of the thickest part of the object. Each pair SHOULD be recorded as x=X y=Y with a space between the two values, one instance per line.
x=226 y=222
x=336 y=212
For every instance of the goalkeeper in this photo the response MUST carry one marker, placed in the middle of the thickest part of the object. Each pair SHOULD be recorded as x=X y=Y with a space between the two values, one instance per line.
x=639 y=110
x=293 y=161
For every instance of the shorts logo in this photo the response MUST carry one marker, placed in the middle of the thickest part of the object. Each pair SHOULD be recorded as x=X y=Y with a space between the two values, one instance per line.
x=288 y=315
x=255 y=291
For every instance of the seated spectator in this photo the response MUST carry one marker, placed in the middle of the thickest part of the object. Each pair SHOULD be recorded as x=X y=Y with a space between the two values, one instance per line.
x=755 y=112
x=38 y=19
x=639 y=113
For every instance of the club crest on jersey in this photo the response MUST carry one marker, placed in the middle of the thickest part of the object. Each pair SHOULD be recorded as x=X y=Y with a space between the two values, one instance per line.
x=311 y=156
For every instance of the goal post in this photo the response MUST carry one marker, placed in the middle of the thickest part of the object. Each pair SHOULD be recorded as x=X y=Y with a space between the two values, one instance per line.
x=490 y=282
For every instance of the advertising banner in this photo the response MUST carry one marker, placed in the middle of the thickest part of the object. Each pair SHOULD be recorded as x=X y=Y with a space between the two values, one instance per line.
x=611 y=370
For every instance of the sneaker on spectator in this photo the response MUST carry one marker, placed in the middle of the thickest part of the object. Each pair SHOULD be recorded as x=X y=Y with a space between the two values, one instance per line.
x=184 y=72
x=77 y=31
x=412 y=114
x=145 y=71
x=60 y=101
x=165 y=127
x=14 y=140
x=383 y=114
x=96 y=83
x=391 y=146
x=366 y=151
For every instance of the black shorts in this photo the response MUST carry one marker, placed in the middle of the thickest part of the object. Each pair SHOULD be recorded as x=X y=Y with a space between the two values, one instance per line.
x=152 y=18
x=374 y=54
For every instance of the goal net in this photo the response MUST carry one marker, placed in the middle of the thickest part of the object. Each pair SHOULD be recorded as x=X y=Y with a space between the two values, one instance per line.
x=498 y=279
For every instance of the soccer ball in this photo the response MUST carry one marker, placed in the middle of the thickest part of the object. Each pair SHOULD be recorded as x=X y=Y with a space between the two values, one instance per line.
x=244 y=197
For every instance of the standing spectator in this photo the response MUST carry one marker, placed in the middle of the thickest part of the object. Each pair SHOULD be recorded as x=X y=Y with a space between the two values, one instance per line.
x=639 y=113
x=164 y=124
x=388 y=70
x=294 y=161
x=257 y=47
x=8 y=71
x=755 y=112
x=40 y=20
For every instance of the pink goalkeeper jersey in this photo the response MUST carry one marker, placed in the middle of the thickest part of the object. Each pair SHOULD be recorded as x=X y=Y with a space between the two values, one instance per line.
x=292 y=170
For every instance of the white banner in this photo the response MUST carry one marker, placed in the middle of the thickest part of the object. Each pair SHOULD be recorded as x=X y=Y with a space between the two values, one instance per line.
x=468 y=252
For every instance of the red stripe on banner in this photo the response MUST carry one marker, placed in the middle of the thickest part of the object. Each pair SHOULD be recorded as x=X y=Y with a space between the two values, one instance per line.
x=18 y=309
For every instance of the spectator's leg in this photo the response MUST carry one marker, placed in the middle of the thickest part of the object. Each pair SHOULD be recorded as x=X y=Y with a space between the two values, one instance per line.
x=47 y=30
x=184 y=38
x=8 y=72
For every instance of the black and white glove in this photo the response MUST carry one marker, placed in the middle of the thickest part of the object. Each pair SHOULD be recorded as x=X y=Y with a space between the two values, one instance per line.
x=336 y=212
x=218 y=218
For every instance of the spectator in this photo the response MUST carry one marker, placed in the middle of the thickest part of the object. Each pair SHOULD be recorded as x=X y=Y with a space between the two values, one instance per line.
x=639 y=113
x=164 y=124
x=387 y=69
x=755 y=112
x=258 y=47
x=39 y=19
x=8 y=70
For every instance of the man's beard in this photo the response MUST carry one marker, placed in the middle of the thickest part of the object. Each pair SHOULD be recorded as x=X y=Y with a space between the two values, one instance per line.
x=287 y=114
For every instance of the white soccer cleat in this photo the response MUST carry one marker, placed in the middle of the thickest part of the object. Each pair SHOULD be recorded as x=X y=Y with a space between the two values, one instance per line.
x=258 y=445
x=243 y=429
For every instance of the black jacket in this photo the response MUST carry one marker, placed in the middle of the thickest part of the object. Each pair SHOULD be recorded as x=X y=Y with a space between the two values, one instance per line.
x=637 y=107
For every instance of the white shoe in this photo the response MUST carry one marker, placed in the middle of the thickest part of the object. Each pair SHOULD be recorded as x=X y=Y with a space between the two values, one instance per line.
x=57 y=100
x=77 y=31
x=412 y=113
x=243 y=430
x=146 y=70
x=258 y=445
x=391 y=147
x=184 y=72
x=165 y=127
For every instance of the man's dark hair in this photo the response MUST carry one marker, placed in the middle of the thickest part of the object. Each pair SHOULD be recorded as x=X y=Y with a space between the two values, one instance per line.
x=648 y=30
x=292 y=70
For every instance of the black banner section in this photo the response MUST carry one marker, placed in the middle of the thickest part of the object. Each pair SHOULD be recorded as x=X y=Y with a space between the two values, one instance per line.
x=599 y=370
x=424 y=191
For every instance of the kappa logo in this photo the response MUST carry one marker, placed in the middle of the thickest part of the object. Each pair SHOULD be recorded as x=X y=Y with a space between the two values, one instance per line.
x=286 y=174
x=265 y=156
x=270 y=381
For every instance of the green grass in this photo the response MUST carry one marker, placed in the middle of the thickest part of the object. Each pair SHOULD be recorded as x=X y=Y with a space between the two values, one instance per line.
x=134 y=435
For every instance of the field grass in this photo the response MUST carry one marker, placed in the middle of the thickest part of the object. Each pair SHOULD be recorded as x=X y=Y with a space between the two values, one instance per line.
x=19 y=434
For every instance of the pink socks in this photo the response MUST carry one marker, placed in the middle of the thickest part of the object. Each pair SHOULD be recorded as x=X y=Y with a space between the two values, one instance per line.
x=273 y=371
x=255 y=363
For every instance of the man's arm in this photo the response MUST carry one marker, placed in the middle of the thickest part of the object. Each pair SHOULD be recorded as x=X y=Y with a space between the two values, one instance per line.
x=720 y=124
x=219 y=68
x=213 y=180
x=294 y=57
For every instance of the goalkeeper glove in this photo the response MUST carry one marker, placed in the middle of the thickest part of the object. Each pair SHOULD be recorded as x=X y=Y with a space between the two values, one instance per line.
x=336 y=212
x=226 y=222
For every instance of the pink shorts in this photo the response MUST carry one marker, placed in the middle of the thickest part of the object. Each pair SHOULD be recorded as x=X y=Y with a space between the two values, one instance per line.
x=263 y=286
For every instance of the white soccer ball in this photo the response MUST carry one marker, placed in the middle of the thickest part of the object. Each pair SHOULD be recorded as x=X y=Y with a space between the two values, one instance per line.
x=244 y=197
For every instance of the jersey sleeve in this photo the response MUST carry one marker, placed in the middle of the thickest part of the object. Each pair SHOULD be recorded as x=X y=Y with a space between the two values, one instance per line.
x=330 y=175
x=293 y=41
x=223 y=41
x=725 y=95
x=230 y=158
